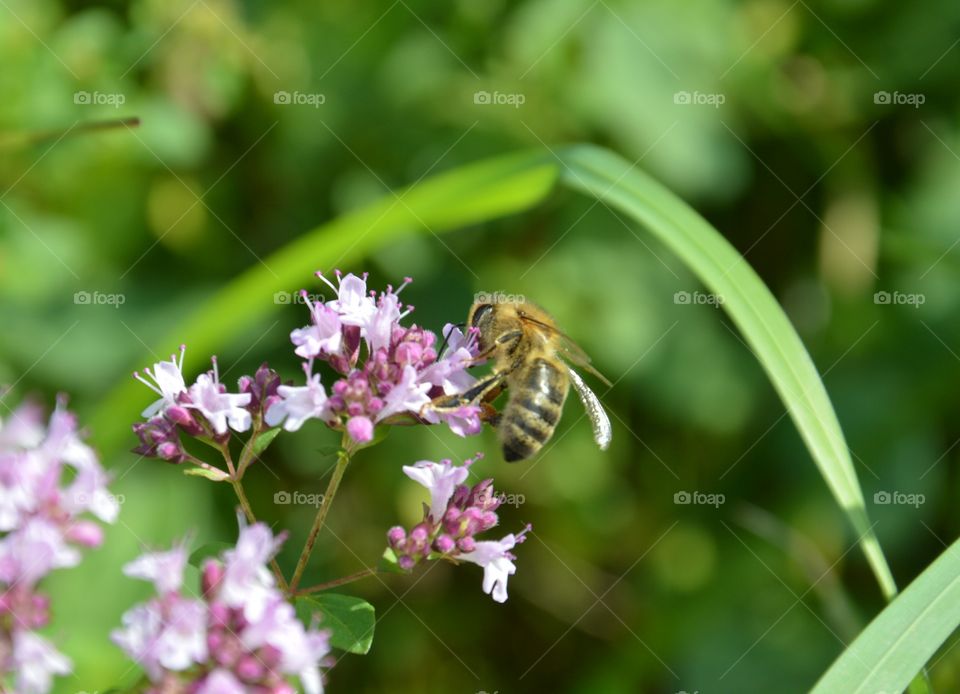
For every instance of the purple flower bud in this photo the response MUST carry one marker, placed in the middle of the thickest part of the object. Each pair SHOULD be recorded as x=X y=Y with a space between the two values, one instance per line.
x=466 y=544
x=461 y=496
x=419 y=534
x=360 y=429
x=406 y=562
x=396 y=535
x=219 y=614
x=445 y=544
x=39 y=612
x=171 y=452
x=184 y=418
x=212 y=575
x=86 y=534
x=156 y=433
x=215 y=641
x=271 y=657
x=249 y=668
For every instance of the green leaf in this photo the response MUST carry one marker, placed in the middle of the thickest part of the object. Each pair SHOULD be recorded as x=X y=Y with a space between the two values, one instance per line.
x=351 y=620
x=896 y=644
x=215 y=475
x=211 y=549
x=388 y=563
x=451 y=200
x=609 y=178
x=264 y=440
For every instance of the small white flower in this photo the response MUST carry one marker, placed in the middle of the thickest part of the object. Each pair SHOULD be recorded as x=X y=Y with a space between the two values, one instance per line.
x=496 y=560
x=168 y=383
x=23 y=428
x=89 y=492
x=247 y=582
x=441 y=479
x=323 y=336
x=353 y=304
x=183 y=641
x=298 y=404
x=450 y=370
x=164 y=637
x=301 y=650
x=36 y=661
x=22 y=475
x=380 y=326
x=33 y=550
x=219 y=408
x=221 y=681
x=164 y=569
x=407 y=395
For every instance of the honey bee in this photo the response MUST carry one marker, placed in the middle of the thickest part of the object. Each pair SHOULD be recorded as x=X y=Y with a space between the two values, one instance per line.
x=529 y=355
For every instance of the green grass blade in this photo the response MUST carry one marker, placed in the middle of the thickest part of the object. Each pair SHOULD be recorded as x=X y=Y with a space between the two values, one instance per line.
x=603 y=175
x=901 y=639
x=467 y=195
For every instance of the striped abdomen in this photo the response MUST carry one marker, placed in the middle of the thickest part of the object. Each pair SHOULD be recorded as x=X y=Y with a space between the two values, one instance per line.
x=533 y=410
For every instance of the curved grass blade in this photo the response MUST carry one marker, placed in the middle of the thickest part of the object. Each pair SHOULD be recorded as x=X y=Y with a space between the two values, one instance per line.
x=467 y=195
x=902 y=638
x=606 y=176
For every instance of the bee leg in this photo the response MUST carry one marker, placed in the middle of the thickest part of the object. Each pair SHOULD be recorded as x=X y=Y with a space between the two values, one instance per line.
x=489 y=414
x=510 y=336
x=479 y=392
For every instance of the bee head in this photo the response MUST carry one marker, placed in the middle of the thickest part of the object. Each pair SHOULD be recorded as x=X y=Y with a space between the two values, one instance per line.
x=481 y=318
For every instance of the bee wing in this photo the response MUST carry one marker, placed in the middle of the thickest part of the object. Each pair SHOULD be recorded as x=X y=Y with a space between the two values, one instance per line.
x=569 y=349
x=602 y=431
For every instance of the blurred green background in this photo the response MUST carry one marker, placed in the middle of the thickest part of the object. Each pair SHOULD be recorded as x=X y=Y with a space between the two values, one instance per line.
x=820 y=137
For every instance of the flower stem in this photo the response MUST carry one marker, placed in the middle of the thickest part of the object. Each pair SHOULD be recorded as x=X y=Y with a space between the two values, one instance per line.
x=235 y=475
x=343 y=459
x=369 y=571
x=247 y=455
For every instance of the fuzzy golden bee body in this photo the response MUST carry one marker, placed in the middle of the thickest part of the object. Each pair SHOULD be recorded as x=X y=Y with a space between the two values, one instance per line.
x=530 y=355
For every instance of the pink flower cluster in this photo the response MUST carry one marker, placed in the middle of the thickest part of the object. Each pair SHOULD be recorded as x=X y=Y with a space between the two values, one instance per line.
x=205 y=408
x=239 y=635
x=49 y=480
x=400 y=372
x=455 y=515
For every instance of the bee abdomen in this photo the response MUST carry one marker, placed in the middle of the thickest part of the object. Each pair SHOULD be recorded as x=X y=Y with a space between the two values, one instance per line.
x=533 y=410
